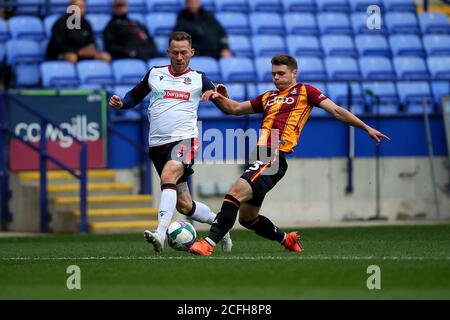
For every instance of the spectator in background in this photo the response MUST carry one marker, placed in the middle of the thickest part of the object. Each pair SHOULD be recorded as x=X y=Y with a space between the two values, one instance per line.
x=209 y=38
x=125 y=38
x=74 y=44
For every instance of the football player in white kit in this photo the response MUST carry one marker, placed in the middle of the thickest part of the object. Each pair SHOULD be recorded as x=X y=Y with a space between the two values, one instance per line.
x=175 y=93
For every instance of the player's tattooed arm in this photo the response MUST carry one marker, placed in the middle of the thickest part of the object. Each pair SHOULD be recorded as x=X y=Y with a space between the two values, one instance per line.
x=350 y=119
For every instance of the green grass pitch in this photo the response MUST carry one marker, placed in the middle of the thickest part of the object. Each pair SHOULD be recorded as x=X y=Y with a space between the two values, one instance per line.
x=414 y=262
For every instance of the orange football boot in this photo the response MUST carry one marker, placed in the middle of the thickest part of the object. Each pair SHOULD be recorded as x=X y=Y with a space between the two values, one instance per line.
x=291 y=242
x=201 y=248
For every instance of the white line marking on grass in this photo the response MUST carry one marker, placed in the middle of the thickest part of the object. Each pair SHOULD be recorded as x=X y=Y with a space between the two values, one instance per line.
x=225 y=258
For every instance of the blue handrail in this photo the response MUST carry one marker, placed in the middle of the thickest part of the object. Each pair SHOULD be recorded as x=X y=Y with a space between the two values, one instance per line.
x=44 y=156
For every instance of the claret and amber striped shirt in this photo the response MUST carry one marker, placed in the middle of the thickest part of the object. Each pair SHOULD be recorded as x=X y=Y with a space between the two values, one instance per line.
x=286 y=113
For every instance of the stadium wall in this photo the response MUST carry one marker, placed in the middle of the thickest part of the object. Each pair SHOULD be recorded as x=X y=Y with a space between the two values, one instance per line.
x=313 y=190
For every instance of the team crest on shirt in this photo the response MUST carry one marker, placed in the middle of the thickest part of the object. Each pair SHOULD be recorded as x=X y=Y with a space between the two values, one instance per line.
x=187 y=81
x=294 y=91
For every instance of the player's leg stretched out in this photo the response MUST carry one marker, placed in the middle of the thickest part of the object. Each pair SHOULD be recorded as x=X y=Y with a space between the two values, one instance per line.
x=246 y=196
x=175 y=193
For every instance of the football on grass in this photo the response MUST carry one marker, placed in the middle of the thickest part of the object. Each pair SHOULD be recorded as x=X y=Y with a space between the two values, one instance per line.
x=181 y=235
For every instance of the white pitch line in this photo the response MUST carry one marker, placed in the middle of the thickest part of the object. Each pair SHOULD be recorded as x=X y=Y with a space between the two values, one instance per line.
x=299 y=258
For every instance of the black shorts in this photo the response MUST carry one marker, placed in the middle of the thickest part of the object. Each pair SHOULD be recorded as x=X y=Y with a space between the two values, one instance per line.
x=183 y=151
x=263 y=175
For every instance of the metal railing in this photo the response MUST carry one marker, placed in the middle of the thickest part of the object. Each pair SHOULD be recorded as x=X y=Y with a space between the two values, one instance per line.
x=43 y=158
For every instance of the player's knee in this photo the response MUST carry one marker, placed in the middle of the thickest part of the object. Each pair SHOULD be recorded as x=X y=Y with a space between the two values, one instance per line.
x=247 y=223
x=184 y=206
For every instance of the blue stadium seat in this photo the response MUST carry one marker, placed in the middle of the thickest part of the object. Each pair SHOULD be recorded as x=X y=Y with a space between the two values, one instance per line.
x=137 y=6
x=333 y=5
x=406 y=45
x=436 y=44
x=58 y=74
x=2 y=52
x=304 y=46
x=43 y=46
x=160 y=24
x=299 y=6
x=23 y=51
x=251 y=91
x=359 y=21
x=139 y=17
x=4 y=33
x=265 y=45
x=158 y=62
x=26 y=27
x=237 y=69
x=413 y=93
x=440 y=89
x=339 y=93
x=263 y=68
x=99 y=6
x=128 y=71
x=338 y=45
x=372 y=45
x=162 y=43
x=235 y=23
x=265 y=6
x=232 y=5
x=236 y=91
x=402 y=22
x=342 y=68
x=301 y=23
x=95 y=72
x=384 y=95
x=130 y=114
x=163 y=5
x=100 y=43
x=49 y=21
x=373 y=68
x=439 y=67
x=399 y=5
x=240 y=46
x=58 y=6
x=362 y=5
x=263 y=87
x=27 y=75
x=209 y=5
x=208 y=65
x=209 y=111
x=434 y=22
x=334 y=23
x=410 y=67
x=29 y=7
x=98 y=22
x=310 y=68
x=266 y=23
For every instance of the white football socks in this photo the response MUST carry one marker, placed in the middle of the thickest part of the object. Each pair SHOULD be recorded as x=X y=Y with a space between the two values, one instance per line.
x=166 y=208
x=203 y=213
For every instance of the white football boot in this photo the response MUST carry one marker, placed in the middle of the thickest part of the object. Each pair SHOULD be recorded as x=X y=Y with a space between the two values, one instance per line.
x=155 y=239
x=226 y=242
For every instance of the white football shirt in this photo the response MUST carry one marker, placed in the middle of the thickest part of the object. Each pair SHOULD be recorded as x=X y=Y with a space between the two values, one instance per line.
x=174 y=100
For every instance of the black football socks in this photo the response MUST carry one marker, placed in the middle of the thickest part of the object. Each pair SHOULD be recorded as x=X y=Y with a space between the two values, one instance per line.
x=224 y=220
x=265 y=228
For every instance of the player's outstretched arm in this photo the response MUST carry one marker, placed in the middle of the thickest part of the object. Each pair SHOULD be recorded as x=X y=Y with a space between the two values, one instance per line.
x=228 y=105
x=350 y=119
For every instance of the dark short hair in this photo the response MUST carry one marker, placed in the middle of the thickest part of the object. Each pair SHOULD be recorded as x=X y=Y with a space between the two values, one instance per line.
x=286 y=60
x=180 y=36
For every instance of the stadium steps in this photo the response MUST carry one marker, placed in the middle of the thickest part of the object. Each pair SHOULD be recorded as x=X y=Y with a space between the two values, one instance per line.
x=122 y=226
x=61 y=177
x=112 y=203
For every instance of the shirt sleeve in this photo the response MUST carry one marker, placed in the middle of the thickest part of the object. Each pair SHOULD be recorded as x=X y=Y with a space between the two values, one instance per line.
x=138 y=93
x=257 y=103
x=314 y=95
x=207 y=84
